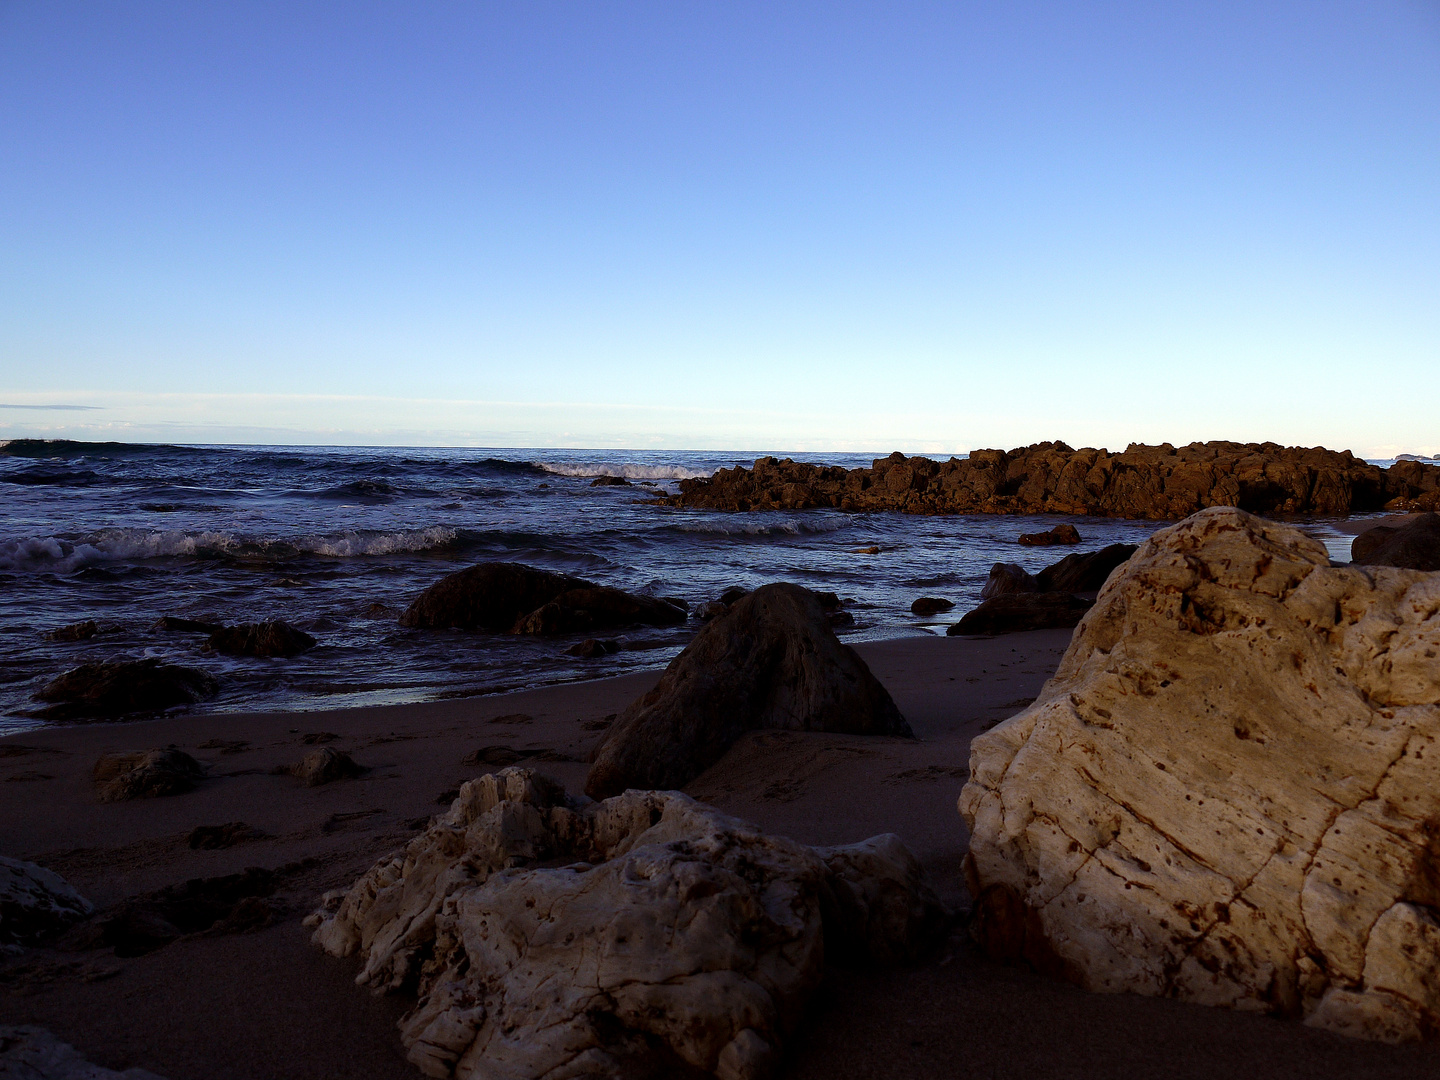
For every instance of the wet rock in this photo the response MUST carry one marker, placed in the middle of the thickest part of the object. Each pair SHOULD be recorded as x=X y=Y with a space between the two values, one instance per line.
x=1007 y=578
x=771 y=661
x=215 y=837
x=931 y=605
x=36 y=903
x=323 y=766
x=596 y=607
x=1011 y=613
x=610 y=481
x=1153 y=482
x=79 y=631
x=1224 y=796
x=32 y=1053
x=491 y=596
x=176 y=624
x=646 y=935
x=730 y=595
x=711 y=608
x=1060 y=534
x=275 y=637
x=148 y=775
x=1084 y=573
x=115 y=689
x=1415 y=545
x=591 y=648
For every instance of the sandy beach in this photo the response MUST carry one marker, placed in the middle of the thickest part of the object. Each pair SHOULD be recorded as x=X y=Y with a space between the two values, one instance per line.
x=265 y=1003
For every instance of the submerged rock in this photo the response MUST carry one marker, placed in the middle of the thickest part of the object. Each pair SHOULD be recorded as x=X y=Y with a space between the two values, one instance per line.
x=1014 y=612
x=1229 y=791
x=771 y=661
x=646 y=935
x=176 y=624
x=610 y=481
x=591 y=648
x=1415 y=544
x=1060 y=534
x=119 y=688
x=931 y=605
x=274 y=637
x=79 y=631
x=36 y=903
x=148 y=775
x=511 y=597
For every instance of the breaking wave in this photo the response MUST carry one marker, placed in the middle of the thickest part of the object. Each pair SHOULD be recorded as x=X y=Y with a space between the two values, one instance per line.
x=744 y=526
x=629 y=470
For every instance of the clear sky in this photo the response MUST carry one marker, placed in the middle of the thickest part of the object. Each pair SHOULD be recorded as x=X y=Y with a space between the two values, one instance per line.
x=722 y=225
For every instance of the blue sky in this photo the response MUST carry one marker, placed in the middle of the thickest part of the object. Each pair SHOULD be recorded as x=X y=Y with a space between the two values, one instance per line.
x=798 y=226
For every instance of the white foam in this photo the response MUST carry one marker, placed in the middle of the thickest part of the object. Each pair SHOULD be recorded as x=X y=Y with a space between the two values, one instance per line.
x=629 y=470
x=347 y=545
x=749 y=527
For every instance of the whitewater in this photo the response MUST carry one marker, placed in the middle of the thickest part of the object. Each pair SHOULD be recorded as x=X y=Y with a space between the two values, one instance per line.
x=339 y=540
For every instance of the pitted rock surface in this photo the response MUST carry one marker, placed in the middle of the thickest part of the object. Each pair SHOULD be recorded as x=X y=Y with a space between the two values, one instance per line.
x=646 y=935
x=1229 y=793
x=1155 y=482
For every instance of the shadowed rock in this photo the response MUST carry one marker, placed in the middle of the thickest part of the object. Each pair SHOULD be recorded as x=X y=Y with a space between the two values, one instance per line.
x=1415 y=545
x=118 y=688
x=592 y=649
x=931 y=605
x=1083 y=573
x=595 y=607
x=1015 y=612
x=275 y=637
x=215 y=837
x=80 y=631
x=176 y=624
x=324 y=765
x=1060 y=534
x=1006 y=578
x=644 y=936
x=1229 y=791
x=770 y=661
x=149 y=775
x=32 y=1053
x=36 y=903
x=141 y=924
x=610 y=481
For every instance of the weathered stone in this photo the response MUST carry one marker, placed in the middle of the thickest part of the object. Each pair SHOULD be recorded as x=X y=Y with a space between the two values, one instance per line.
x=646 y=935
x=274 y=637
x=1060 y=534
x=931 y=605
x=324 y=765
x=35 y=903
x=1229 y=791
x=32 y=1053
x=1013 y=612
x=1083 y=572
x=148 y=775
x=1415 y=544
x=1153 y=482
x=1007 y=578
x=119 y=688
x=771 y=661
x=596 y=606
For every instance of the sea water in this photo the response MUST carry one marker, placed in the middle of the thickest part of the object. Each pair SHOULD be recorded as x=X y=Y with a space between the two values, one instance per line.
x=339 y=540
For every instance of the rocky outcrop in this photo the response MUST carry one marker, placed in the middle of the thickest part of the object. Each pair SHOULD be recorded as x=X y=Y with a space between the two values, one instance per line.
x=32 y=1053
x=324 y=766
x=1153 y=482
x=148 y=775
x=1415 y=544
x=646 y=935
x=770 y=661
x=274 y=637
x=1015 y=612
x=1060 y=534
x=115 y=689
x=1230 y=790
x=36 y=903
x=518 y=599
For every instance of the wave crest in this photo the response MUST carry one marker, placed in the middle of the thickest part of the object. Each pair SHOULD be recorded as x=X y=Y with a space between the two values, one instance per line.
x=629 y=470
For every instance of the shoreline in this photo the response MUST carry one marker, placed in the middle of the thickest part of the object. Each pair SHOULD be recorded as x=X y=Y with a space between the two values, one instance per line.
x=267 y=1003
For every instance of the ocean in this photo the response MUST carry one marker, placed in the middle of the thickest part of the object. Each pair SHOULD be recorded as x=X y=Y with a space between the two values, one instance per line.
x=339 y=540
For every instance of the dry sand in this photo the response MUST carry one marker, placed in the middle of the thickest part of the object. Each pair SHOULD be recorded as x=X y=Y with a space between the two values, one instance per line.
x=266 y=1004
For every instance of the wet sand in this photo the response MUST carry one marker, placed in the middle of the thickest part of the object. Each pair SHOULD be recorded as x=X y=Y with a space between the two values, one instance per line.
x=265 y=1003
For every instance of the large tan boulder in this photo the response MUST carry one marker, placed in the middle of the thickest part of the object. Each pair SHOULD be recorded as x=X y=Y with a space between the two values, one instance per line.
x=1229 y=793
x=643 y=935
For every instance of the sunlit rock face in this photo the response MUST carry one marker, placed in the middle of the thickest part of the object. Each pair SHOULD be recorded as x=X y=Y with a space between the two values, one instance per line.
x=646 y=935
x=1229 y=793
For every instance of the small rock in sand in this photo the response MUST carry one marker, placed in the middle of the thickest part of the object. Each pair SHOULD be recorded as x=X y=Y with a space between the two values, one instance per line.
x=35 y=903
x=324 y=765
x=147 y=775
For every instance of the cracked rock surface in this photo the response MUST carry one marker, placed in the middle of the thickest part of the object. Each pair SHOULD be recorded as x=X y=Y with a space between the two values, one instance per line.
x=1229 y=793
x=646 y=935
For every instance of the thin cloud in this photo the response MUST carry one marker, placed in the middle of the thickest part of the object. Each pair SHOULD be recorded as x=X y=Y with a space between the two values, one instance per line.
x=56 y=408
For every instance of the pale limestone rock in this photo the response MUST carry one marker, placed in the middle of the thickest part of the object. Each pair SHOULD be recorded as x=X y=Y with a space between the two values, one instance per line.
x=35 y=902
x=1229 y=791
x=32 y=1053
x=550 y=937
